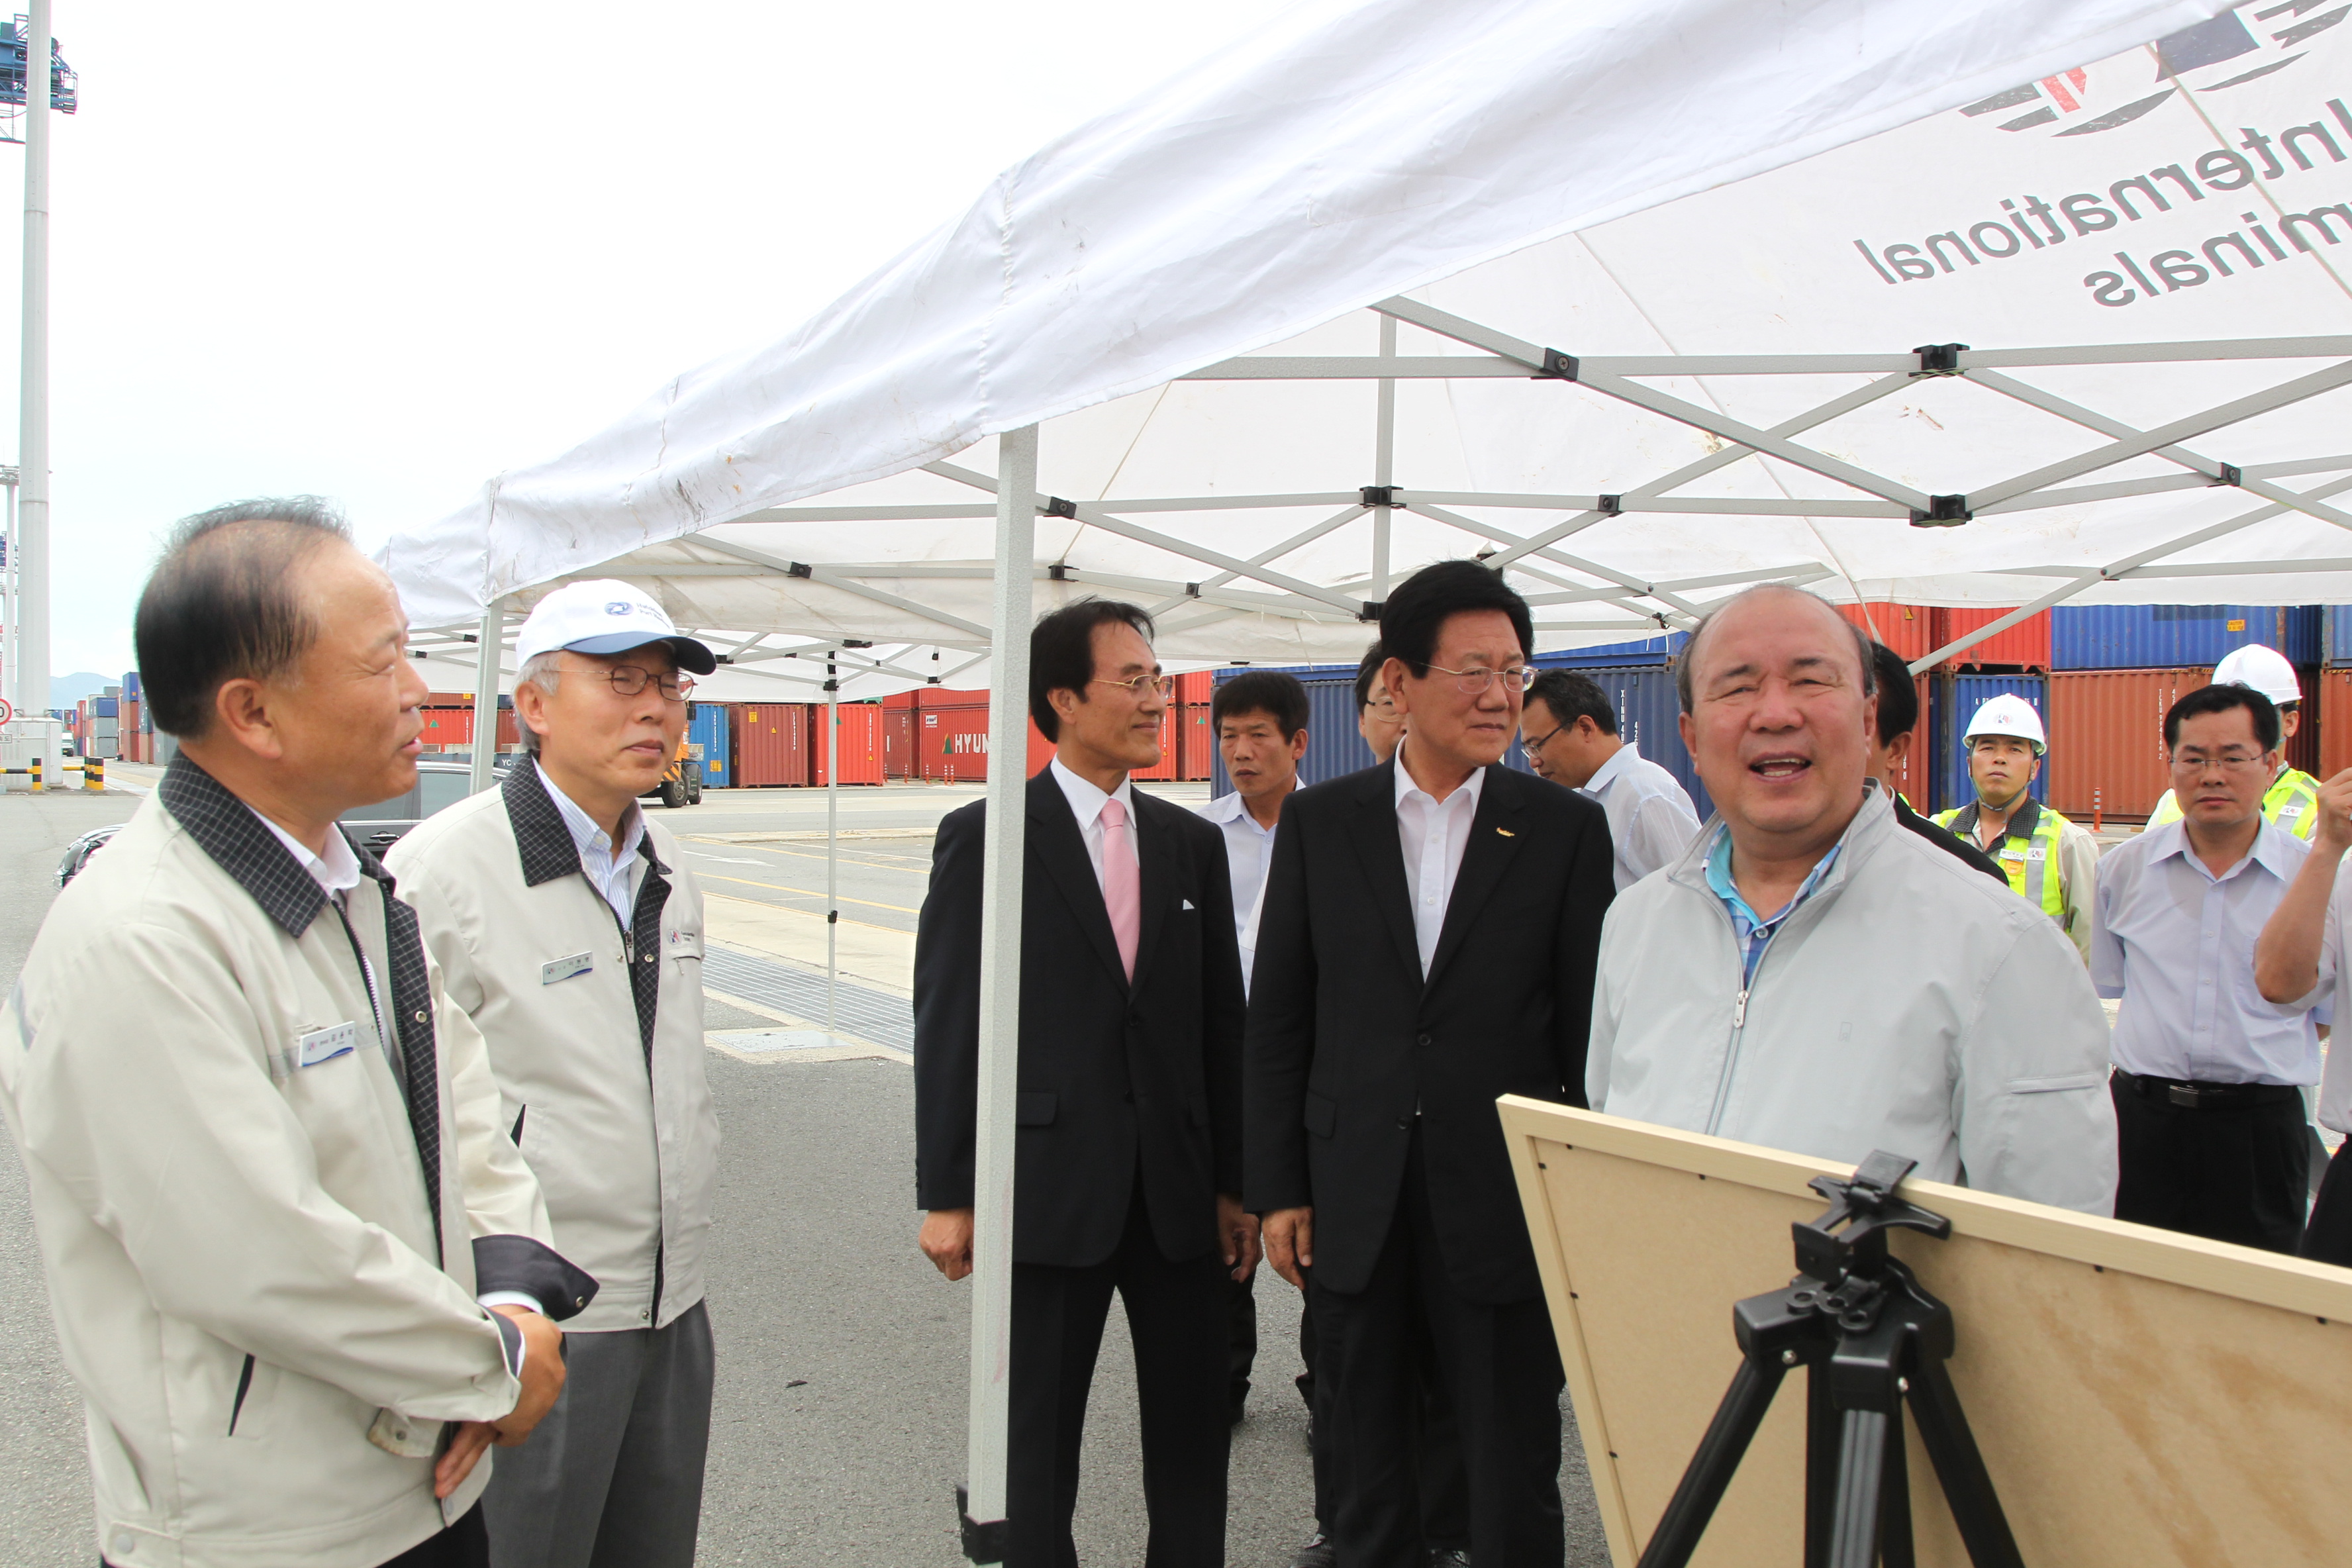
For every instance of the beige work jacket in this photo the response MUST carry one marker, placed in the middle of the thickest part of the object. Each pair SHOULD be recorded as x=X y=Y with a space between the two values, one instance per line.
x=231 y=1203
x=601 y=1075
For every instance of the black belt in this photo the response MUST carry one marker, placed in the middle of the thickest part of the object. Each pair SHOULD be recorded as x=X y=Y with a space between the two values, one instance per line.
x=2191 y=1095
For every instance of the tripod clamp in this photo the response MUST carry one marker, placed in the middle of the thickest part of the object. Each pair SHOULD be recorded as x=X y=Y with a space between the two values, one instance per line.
x=1870 y=1340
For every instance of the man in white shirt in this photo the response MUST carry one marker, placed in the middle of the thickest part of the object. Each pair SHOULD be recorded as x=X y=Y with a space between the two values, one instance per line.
x=2302 y=949
x=572 y=933
x=2209 y=1072
x=1568 y=729
x=1260 y=722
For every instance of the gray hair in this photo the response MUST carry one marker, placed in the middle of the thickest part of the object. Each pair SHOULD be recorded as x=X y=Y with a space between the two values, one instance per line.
x=1685 y=664
x=222 y=603
x=542 y=670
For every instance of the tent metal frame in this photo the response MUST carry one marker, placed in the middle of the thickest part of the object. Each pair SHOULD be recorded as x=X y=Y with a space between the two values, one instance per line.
x=1560 y=580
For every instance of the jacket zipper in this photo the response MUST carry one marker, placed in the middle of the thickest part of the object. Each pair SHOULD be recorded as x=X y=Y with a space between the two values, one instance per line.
x=244 y=1386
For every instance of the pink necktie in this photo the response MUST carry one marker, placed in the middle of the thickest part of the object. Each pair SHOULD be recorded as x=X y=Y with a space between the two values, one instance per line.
x=1122 y=891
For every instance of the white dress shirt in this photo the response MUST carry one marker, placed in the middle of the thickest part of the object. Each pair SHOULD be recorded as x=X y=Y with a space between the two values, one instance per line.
x=1651 y=818
x=1433 y=835
x=337 y=872
x=2336 y=1085
x=1249 y=852
x=616 y=872
x=2176 y=943
x=1087 y=803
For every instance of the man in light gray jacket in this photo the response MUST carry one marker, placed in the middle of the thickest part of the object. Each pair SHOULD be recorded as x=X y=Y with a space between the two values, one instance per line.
x=297 y=1267
x=572 y=933
x=1810 y=977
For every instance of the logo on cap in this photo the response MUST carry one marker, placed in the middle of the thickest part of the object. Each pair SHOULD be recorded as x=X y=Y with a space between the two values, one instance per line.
x=619 y=607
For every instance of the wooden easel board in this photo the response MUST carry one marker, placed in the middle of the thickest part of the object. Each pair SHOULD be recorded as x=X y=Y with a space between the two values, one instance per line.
x=2142 y=1399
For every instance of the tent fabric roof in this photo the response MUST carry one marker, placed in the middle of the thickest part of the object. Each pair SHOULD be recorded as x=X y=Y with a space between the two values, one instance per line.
x=1655 y=179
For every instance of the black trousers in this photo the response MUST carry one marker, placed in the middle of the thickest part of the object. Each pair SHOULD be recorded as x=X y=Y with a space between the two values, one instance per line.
x=2240 y=1174
x=1241 y=1340
x=1176 y=1314
x=2328 y=1237
x=1445 y=1489
x=1498 y=1365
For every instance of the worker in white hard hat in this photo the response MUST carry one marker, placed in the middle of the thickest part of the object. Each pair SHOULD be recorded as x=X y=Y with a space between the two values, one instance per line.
x=2050 y=863
x=2293 y=794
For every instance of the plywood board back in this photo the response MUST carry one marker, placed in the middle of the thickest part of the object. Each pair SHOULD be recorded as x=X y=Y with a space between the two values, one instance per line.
x=2141 y=1399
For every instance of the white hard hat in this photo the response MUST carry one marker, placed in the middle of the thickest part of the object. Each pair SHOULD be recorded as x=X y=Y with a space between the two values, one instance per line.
x=2265 y=669
x=605 y=616
x=2009 y=715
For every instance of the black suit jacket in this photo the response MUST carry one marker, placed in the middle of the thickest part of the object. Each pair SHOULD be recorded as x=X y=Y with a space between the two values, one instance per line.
x=1115 y=1079
x=1345 y=1038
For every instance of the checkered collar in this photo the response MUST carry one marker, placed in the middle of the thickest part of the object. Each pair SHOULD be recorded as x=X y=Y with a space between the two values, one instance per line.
x=241 y=844
x=542 y=835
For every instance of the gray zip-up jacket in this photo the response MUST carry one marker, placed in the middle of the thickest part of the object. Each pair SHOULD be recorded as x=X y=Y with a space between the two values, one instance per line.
x=1907 y=1004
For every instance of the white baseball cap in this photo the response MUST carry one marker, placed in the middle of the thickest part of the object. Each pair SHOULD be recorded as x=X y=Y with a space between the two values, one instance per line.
x=2265 y=669
x=605 y=616
x=2009 y=715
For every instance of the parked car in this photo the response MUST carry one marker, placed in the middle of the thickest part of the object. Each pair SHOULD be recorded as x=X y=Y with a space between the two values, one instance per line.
x=376 y=827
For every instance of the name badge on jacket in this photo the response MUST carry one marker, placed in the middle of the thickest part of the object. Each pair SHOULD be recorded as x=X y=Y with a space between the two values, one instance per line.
x=326 y=1045
x=560 y=969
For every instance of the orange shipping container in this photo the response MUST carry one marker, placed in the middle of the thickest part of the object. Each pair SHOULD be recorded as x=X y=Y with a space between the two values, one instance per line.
x=857 y=744
x=2335 y=721
x=898 y=741
x=1196 y=741
x=2025 y=645
x=1908 y=629
x=1196 y=688
x=2107 y=739
x=453 y=726
x=769 y=743
x=951 y=745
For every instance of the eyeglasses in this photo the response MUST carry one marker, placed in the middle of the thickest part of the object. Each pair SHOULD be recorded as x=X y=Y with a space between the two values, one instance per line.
x=1473 y=682
x=630 y=681
x=1532 y=747
x=2197 y=762
x=1142 y=684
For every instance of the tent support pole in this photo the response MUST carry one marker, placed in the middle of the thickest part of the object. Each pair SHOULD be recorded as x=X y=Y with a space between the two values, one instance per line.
x=488 y=638
x=1383 y=467
x=999 y=998
x=832 y=844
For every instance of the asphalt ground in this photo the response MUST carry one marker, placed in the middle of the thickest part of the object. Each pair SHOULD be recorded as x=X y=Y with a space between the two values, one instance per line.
x=839 y=1431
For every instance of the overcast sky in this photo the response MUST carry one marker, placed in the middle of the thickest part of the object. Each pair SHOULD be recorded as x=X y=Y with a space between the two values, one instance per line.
x=380 y=253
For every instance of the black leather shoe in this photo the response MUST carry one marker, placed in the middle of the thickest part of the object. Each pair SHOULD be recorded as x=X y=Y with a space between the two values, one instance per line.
x=1318 y=1552
x=1448 y=1557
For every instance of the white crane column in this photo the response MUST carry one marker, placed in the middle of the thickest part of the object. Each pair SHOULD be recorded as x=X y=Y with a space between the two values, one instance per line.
x=33 y=428
x=1000 y=994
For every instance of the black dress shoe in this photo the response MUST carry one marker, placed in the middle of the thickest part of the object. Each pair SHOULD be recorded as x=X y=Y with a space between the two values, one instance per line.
x=1318 y=1552
x=1448 y=1557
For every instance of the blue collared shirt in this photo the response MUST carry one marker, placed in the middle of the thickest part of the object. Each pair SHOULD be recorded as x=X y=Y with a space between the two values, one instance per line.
x=1753 y=930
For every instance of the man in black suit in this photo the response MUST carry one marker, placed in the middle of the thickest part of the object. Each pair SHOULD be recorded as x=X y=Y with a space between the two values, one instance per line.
x=1127 y=1162
x=1427 y=944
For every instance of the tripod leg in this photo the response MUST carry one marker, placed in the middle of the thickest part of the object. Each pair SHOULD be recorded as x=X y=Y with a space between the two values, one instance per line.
x=1862 y=1462
x=1821 y=1464
x=1894 y=1545
x=1968 y=1487
x=1711 y=1468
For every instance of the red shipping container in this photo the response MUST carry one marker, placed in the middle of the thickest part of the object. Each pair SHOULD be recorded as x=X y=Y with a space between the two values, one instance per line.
x=1165 y=768
x=857 y=743
x=1914 y=775
x=1196 y=741
x=453 y=726
x=769 y=742
x=1908 y=629
x=2107 y=739
x=898 y=741
x=2025 y=646
x=1196 y=688
x=2334 y=716
x=906 y=700
x=951 y=743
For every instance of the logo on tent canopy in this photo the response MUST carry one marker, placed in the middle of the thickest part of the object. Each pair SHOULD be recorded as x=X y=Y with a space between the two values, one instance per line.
x=2234 y=48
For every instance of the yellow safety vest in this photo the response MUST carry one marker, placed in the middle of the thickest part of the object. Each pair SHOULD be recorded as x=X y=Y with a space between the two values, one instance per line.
x=2292 y=804
x=2028 y=853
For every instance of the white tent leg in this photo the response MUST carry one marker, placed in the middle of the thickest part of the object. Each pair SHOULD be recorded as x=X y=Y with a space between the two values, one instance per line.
x=832 y=845
x=488 y=636
x=999 y=998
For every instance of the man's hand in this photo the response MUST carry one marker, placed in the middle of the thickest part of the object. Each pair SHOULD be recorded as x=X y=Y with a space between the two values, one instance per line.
x=1290 y=1243
x=2335 y=807
x=946 y=1240
x=543 y=1380
x=1238 y=1229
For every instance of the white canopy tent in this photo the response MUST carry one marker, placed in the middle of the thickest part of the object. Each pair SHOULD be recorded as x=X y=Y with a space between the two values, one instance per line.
x=1626 y=295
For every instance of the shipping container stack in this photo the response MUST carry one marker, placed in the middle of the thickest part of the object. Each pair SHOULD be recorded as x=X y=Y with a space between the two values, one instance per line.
x=2115 y=668
x=2332 y=748
x=449 y=722
x=707 y=725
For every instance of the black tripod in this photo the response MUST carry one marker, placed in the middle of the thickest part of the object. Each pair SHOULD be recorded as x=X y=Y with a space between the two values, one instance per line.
x=1869 y=1338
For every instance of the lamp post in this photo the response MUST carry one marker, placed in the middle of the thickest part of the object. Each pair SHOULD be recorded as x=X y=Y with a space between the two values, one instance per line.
x=33 y=392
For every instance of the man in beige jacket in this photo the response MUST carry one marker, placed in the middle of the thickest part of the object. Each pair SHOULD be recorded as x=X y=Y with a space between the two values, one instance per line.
x=295 y=1264
x=571 y=932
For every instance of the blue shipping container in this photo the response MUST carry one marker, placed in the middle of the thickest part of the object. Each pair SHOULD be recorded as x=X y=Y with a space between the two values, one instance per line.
x=708 y=729
x=2178 y=636
x=131 y=685
x=104 y=707
x=1647 y=711
x=2336 y=637
x=1960 y=700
